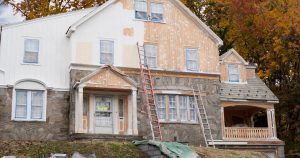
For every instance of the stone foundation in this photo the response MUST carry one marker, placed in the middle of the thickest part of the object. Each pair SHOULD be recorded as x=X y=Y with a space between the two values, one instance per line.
x=55 y=127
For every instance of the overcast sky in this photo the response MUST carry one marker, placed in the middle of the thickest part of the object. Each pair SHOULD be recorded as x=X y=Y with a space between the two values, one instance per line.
x=7 y=15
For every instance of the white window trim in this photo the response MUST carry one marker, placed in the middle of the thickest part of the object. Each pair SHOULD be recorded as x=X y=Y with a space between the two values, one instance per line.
x=150 y=15
x=178 y=119
x=39 y=52
x=28 y=119
x=99 y=50
x=156 y=61
x=198 y=60
x=135 y=11
x=239 y=74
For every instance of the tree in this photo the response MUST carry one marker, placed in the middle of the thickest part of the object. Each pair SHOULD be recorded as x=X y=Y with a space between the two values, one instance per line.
x=31 y=9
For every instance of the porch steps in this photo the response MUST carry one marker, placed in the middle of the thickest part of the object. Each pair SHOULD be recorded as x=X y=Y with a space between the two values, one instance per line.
x=149 y=94
x=200 y=107
x=105 y=137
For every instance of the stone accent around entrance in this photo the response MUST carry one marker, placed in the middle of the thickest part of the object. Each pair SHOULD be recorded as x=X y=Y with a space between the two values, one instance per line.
x=55 y=127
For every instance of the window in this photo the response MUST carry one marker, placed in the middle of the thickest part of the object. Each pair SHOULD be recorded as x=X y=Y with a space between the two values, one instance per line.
x=29 y=101
x=192 y=59
x=172 y=108
x=106 y=52
x=29 y=104
x=193 y=112
x=183 y=101
x=233 y=73
x=157 y=11
x=150 y=55
x=161 y=106
x=31 y=51
x=141 y=9
x=185 y=104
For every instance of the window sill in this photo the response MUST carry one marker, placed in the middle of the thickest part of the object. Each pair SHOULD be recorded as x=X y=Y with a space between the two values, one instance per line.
x=143 y=20
x=178 y=122
x=33 y=64
x=228 y=82
x=28 y=120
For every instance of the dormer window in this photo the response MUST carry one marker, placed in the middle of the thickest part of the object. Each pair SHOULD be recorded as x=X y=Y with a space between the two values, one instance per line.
x=157 y=12
x=141 y=9
x=233 y=73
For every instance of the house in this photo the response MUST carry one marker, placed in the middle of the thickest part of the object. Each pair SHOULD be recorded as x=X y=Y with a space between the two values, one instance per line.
x=77 y=74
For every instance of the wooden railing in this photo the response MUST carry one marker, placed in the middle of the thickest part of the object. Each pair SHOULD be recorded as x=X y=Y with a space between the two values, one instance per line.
x=246 y=133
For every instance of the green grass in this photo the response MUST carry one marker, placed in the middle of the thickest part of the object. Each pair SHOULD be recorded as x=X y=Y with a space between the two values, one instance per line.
x=101 y=149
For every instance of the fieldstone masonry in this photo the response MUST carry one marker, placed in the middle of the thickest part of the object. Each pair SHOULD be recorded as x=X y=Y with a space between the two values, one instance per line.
x=55 y=127
x=182 y=132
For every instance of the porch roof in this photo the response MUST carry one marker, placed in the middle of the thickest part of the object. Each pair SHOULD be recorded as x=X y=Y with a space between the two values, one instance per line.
x=107 y=77
x=254 y=90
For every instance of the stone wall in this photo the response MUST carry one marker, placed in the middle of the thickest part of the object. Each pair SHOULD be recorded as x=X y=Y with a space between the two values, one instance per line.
x=182 y=132
x=55 y=127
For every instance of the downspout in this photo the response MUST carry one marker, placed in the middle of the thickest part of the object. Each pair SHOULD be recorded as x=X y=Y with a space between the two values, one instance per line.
x=0 y=34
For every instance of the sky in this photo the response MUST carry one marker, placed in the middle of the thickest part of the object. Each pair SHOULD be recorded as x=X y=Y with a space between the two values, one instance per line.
x=7 y=15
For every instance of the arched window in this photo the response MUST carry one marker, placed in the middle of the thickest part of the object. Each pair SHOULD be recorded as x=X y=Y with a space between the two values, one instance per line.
x=29 y=101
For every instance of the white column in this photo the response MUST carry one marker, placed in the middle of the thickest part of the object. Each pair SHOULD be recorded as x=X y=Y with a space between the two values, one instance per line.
x=270 y=123
x=273 y=123
x=130 y=115
x=79 y=110
x=134 y=112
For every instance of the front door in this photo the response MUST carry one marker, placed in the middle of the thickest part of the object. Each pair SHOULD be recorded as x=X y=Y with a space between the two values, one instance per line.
x=103 y=115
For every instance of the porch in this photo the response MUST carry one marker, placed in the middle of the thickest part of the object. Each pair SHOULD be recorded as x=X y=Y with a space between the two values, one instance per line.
x=248 y=122
x=105 y=104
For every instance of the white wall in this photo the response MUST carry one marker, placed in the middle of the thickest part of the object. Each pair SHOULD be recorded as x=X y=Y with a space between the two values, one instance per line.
x=54 y=55
x=109 y=24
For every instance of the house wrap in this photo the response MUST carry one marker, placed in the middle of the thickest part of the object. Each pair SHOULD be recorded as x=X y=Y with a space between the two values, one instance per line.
x=76 y=75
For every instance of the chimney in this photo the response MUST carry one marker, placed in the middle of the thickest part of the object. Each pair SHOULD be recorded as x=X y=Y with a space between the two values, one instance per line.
x=250 y=69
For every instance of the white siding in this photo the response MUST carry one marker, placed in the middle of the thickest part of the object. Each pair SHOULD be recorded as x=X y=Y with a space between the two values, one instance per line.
x=54 y=55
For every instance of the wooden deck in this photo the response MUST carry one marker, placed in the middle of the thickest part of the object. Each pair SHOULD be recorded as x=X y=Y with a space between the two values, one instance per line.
x=240 y=133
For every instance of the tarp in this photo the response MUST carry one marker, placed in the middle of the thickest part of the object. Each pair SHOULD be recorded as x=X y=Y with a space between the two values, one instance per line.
x=171 y=149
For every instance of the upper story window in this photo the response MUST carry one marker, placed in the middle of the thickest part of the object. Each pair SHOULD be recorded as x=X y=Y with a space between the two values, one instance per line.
x=141 y=9
x=192 y=59
x=31 y=51
x=154 y=13
x=233 y=73
x=157 y=12
x=167 y=106
x=106 y=52
x=29 y=103
x=151 y=55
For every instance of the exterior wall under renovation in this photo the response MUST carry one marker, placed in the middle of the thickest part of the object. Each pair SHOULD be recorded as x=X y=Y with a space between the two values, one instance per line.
x=169 y=84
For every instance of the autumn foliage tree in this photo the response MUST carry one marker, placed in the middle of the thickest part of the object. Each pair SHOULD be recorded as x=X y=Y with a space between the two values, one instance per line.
x=266 y=32
x=31 y=9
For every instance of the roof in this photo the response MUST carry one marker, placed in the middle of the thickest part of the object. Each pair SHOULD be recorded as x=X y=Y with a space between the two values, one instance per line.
x=232 y=51
x=254 y=90
x=177 y=3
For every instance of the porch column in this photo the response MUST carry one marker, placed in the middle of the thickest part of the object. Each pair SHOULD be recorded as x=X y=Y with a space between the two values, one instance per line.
x=134 y=112
x=79 y=110
x=271 y=122
x=223 y=122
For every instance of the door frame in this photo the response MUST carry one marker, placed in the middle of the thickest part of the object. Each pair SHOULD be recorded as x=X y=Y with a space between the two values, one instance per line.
x=125 y=115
